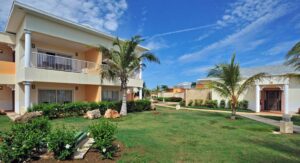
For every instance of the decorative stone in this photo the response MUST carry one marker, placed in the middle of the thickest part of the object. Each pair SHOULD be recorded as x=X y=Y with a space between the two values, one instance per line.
x=153 y=107
x=177 y=107
x=93 y=114
x=28 y=116
x=110 y=113
x=286 y=127
x=2 y=112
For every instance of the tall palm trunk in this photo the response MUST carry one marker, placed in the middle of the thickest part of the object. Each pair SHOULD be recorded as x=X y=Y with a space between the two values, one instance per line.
x=233 y=107
x=124 y=98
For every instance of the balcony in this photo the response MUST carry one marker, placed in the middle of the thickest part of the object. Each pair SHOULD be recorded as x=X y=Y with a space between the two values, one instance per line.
x=62 y=63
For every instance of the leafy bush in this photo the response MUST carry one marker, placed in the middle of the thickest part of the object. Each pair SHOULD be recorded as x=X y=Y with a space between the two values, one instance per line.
x=243 y=104
x=222 y=104
x=211 y=103
x=80 y=108
x=62 y=143
x=24 y=140
x=190 y=103
x=198 y=102
x=103 y=133
x=170 y=99
x=182 y=103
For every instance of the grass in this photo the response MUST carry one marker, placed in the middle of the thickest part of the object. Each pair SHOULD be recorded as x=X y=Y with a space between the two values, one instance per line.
x=295 y=119
x=223 y=109
x=167 y=135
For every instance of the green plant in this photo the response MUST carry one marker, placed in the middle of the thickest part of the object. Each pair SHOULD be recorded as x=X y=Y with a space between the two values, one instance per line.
x=103 y=133
x=211 y=103
x=24 y=140
x=80 y=108
x=61 y=142
x=243 y=104
x=182 y=103
x=121 y=61
x=190 y=103
x=230 y=83
x=222 y=104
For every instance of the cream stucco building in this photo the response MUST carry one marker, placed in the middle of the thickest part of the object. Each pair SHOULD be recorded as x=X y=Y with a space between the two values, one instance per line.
x=277 y=92
x=46 y=59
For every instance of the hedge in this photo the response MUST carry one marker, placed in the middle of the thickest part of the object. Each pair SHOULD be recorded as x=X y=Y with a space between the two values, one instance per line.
x=80 y=108
x=170 y=99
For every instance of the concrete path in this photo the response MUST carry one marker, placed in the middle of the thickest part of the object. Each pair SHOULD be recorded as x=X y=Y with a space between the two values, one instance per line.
x=253 y=116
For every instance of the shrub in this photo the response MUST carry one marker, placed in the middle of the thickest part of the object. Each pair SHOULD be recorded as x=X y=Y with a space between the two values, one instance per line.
x=62 y=143
x=243 y=104
x=170 y=99
x=80 y=108
x=211 y=103
x=190 y=103
x=222 y=104
x=103 y=133
x=24 y=140
x=182 y=103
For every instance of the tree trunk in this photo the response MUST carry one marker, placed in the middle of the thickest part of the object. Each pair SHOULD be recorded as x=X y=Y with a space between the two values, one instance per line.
x=233 y=107
x=123 y=111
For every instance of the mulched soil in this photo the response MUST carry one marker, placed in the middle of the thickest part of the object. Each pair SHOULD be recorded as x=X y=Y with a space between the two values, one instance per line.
x=92 y=156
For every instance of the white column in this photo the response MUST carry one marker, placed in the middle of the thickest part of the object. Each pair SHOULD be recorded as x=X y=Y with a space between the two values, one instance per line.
x=286 y=99
x=27 y=95
x=140 y=94
x=27 y=52
x=257 y=109
x=141 y=71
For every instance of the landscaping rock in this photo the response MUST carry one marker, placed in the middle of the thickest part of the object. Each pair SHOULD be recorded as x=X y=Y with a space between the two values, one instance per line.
x=93 y=114
x=153 y=107
x=177 y=107
x=28 y=116
x=110 y=113
x=2 y=112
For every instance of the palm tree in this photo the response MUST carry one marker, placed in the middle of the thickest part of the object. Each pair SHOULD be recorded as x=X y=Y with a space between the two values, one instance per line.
x=164 y=87
x=293 y=56
x=230 y=83
x=122 y=61
x=146 y=91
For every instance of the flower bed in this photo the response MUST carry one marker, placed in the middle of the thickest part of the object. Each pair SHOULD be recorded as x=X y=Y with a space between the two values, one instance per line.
x=80 y=108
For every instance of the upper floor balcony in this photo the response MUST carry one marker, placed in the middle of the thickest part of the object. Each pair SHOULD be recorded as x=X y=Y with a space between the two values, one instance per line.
x=62 y=63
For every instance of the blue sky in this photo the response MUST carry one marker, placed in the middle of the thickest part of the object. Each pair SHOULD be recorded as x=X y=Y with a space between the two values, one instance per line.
x=191 y=36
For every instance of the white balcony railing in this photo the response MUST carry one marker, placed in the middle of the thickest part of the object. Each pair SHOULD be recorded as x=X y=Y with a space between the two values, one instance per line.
x=59 y=63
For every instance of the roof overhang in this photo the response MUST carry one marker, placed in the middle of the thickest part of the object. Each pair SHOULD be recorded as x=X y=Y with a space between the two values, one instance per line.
x=19 y=10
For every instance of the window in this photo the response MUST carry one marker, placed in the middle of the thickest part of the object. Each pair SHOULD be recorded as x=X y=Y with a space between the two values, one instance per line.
x=108 y=95
x=55 y=96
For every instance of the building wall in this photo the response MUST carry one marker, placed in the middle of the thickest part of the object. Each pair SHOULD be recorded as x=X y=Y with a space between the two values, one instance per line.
x=294 y=94
x=93 y=93
x=196 y=94
x=6 y=98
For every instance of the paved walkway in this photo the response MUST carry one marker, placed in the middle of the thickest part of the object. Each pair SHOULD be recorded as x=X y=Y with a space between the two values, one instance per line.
x=253 y=116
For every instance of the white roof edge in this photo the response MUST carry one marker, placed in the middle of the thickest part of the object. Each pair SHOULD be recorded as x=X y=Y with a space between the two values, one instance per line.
x=68 y=22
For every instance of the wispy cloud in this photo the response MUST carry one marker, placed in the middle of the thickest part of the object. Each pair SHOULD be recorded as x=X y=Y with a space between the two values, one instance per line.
x=181 y=31
x=281 y=48
x=100 y=14
x=198 y=70
x=240 y=40
x=156 y=44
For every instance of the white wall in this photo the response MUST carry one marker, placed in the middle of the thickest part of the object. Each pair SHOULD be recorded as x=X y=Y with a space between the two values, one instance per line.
x=294 y=94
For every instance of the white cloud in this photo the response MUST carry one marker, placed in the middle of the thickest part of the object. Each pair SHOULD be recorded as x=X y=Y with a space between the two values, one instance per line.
x=101 y=14
x=156 y=44
x=243 y=40
x=198 y=70
x=281 y=48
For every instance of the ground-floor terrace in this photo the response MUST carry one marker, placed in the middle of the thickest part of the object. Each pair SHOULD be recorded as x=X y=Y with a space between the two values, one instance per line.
x=14 y=97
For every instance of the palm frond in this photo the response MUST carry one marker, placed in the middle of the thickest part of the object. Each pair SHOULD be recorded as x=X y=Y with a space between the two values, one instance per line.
x=221 y=88
x=250 y=81
x=149 y=57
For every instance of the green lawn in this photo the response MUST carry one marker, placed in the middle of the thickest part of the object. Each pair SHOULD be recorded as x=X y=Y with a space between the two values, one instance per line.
x=191 y=136
x=295 y=119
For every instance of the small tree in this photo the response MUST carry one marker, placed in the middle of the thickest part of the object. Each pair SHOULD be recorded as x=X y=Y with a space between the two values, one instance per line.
x=293 y=57
x=230 y=83
x=122 y=61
